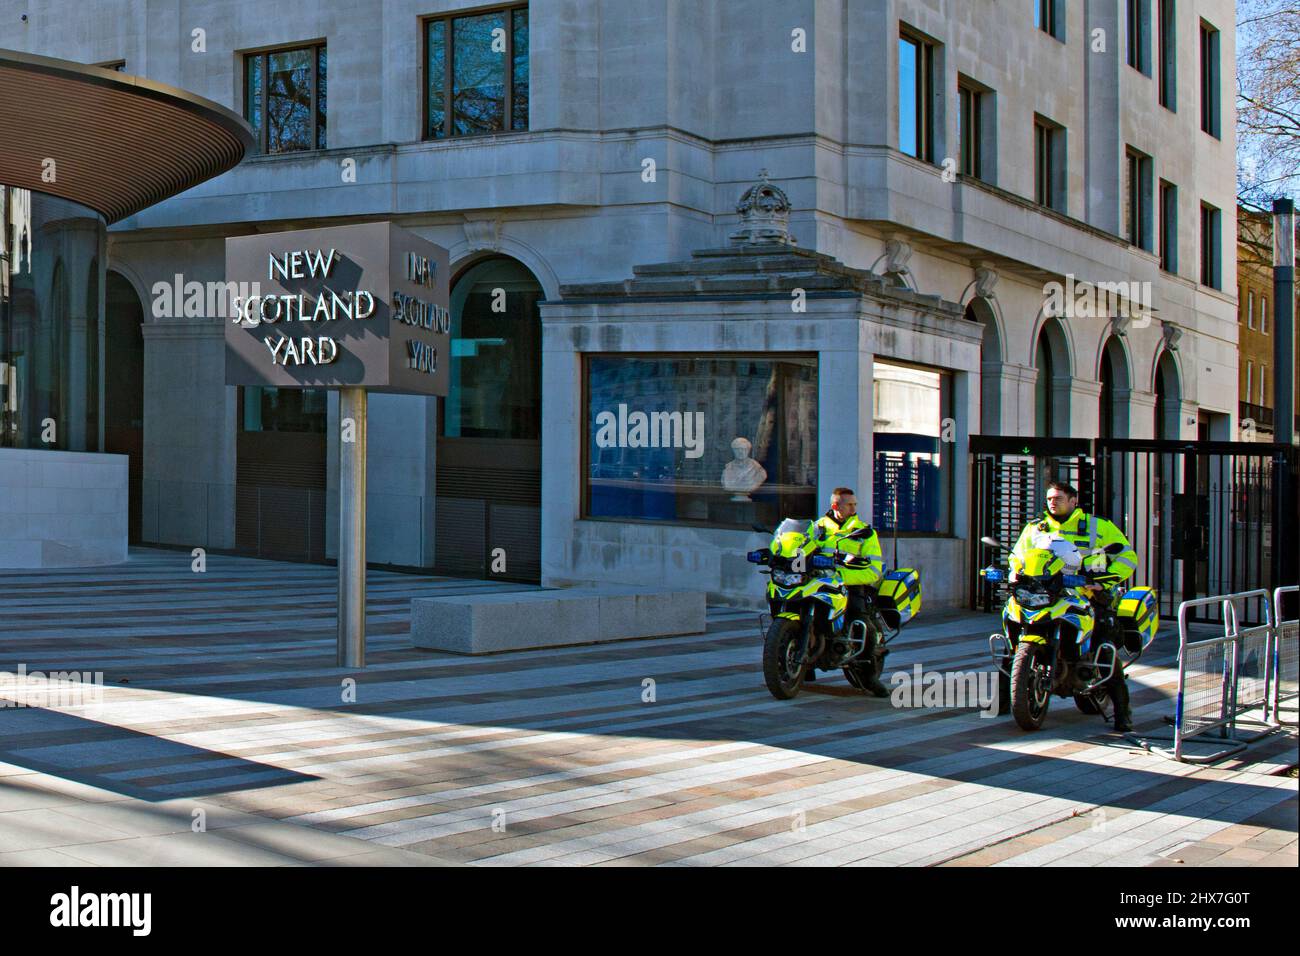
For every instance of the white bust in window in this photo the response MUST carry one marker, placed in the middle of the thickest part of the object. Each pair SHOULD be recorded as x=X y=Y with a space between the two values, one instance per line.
x=742 y=474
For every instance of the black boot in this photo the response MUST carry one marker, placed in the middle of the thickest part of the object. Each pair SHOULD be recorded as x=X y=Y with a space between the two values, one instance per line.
x=1118 y=689
x=872 y=685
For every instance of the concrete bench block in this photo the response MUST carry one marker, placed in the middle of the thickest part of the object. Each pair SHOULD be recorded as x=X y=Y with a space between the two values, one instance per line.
x=518 y=620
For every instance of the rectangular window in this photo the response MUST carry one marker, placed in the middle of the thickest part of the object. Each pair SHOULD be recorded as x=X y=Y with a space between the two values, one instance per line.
x=970 y=129
x=913 y=463
x=1049 y=164
x=1250 y=379
x=1250 y=310
x=1168 y=227
x=267 y=409
x=1168 y=54
x=1049 y=16
x=915 y=97
x=1263 y=315
x=1263 y=371
x=723 y=440
x=1210 y=79
x=1137 y=199
x=1138 y=35
x=476 y=73
x=284 y=98
x=1211 y=220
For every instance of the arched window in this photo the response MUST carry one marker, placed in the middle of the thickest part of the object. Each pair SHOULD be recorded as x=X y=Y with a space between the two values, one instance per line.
x=1112 y=416
x=495 y=389
x=1044 y=412
x=1052 y=360
x=1168 y=398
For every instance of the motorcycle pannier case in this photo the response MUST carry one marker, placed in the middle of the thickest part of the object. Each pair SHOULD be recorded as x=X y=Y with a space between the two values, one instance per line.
x=1139 y=616
x=899 y=596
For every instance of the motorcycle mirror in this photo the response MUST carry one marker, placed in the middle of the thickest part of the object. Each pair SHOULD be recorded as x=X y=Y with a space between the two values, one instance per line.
x=760 y=529
x=994 y=543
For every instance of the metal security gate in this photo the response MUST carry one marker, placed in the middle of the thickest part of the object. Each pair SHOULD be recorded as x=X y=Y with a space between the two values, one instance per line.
x=1201 y=515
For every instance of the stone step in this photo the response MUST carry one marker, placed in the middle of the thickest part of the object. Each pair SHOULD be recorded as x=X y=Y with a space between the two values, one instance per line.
x=552 y=617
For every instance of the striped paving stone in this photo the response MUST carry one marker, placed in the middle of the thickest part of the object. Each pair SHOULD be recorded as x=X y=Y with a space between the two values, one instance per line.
x=221 y=691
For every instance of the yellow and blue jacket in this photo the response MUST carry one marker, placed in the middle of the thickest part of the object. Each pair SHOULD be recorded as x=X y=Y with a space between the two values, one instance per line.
x=861 y=559
x=1085 y=531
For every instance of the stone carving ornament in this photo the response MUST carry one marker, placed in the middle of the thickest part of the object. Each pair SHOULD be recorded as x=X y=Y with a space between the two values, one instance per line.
x=764 y=214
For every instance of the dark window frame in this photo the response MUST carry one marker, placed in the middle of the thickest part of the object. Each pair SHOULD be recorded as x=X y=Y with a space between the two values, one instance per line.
x=1137 y=35
x=1168 y=200
x=319 y=132
x=1211 y=79
x=924 y=92
x=448 y=77
x=947 y=410
x=1211 y=244
x=971 y=103
x=1049 y=17
x=584 y=459
x=1049 y=164
x=1138 y=198
x=1167 y=55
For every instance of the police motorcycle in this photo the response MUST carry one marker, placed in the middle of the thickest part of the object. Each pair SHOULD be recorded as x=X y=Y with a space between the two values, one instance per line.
x=1057 y=639
x=807 y=628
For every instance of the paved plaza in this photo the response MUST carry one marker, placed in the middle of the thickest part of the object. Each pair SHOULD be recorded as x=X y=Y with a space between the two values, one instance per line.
x=226 y=735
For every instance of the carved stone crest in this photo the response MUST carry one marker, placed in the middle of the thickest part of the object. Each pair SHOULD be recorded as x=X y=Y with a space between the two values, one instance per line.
x=764 y=214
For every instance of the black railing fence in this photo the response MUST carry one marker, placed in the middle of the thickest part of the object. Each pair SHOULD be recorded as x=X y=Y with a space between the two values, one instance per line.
x=1205 y=517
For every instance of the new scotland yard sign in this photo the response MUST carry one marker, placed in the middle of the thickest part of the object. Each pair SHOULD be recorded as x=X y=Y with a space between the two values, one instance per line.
x=347 y=306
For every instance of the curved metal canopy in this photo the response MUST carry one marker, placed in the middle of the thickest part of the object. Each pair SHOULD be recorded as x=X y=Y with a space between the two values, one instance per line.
x=119 y=143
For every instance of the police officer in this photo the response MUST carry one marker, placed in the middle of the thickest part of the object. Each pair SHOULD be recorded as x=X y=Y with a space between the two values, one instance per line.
x=1065 y=519
x=861 y=567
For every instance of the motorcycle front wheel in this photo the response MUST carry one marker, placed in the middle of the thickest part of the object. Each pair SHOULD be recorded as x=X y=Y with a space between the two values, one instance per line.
x=781 y=668
x=1029 y=695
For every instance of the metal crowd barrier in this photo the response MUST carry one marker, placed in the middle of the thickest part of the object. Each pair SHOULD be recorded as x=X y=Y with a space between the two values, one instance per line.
x=1224 y=680
x=1283 y=673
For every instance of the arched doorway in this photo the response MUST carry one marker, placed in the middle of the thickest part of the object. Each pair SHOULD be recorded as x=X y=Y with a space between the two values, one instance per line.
x=124 y=387
x=980 y=311
x=1115 y=386
x=1168 y=398
x=1052 y=361
x=489 y=464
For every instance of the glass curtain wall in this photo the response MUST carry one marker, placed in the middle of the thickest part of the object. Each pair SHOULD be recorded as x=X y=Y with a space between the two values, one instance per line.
x=52 y=254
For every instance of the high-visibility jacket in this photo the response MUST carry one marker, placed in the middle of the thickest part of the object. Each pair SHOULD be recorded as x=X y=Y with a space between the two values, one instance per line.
x=860 y=558
x=1085 y=531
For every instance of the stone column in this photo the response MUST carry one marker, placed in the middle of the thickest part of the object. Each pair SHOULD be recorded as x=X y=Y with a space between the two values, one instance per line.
x=189 y=435
x=1141 y=413
x=562 y=417
x=1187 y=415
x=844 y=453
x=1018 y=382
x=1083 y=403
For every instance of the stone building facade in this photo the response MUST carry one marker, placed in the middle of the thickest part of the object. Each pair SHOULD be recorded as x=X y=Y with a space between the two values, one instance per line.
x=952 y=169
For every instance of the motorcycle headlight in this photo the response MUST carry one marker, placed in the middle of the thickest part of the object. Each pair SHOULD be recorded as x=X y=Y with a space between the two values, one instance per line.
x=787 y=579
x=1028 y=598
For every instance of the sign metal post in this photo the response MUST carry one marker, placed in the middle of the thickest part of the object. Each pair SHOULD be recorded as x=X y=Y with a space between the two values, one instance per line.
x=352 y=529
